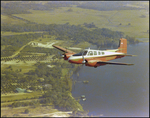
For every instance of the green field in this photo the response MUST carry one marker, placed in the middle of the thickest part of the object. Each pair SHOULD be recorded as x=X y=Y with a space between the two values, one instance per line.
x=17 y=33
x=102 y=19
x=9 y=20
x=19 y=96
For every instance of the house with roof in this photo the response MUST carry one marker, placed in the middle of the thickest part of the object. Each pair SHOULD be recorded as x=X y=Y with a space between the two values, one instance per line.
x=20 y=90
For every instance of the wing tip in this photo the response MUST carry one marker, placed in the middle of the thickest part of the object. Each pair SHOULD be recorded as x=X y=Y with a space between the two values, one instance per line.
x=130 y=64
x=134 y=55
x=131 y=55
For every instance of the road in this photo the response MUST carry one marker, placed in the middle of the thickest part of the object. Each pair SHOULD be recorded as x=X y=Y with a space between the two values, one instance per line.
x=48 y=45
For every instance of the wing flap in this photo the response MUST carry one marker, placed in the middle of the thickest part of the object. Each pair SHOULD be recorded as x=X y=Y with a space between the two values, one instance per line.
x=114 y=63
x=63 y=49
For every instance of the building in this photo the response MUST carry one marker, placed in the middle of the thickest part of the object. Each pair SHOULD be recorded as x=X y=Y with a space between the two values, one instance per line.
x=20 y=90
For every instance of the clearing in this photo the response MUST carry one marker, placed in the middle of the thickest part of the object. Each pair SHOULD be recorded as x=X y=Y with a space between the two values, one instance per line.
x=103 y=19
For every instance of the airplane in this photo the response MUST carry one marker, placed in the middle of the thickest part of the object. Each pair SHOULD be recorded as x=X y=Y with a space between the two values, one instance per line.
x=95 y=58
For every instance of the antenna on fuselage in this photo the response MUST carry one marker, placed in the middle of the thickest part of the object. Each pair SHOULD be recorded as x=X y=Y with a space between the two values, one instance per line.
x=99 y=47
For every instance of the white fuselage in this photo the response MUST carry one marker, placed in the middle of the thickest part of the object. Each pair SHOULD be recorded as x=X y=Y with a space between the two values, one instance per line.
x=94 y=54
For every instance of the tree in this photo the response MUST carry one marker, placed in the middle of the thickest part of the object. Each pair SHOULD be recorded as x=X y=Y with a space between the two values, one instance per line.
x=26 y=111
x=20 y=69
x=70 y=10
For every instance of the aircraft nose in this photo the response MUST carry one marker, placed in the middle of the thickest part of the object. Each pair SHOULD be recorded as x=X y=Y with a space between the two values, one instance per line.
x=70 y=59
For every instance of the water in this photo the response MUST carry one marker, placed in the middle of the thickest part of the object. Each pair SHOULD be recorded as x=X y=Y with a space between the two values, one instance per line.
x=116 y=90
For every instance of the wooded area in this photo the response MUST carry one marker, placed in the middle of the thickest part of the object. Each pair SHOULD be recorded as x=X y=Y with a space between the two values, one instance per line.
x=57 y=91
x=66 y=32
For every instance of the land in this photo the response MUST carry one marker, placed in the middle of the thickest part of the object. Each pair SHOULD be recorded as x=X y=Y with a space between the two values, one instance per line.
x=103 y=19
x=133 y=23
x=46 y=111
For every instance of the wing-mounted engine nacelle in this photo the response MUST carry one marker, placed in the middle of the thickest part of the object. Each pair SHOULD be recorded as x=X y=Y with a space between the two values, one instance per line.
x=93 y=63
x=67 y=55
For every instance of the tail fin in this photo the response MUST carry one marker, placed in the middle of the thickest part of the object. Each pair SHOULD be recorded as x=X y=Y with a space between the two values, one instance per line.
x=122 y=46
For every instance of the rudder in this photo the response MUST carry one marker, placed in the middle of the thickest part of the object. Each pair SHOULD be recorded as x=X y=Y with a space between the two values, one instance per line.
x=122 y=46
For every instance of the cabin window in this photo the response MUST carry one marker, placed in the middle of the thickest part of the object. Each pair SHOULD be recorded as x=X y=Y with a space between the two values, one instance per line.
x=99 y=53
x=95 y=52
x=103 y=53
x=85 y=52
x=81 y=53
x=90 y=53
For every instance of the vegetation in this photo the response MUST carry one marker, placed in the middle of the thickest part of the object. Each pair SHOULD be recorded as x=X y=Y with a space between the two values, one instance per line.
x=102 y=19
x=60 y=87
x=53 y=86
x=13 y=43
x=26 y=111
x=67 y=32
x=23 y=7
x=106 y=6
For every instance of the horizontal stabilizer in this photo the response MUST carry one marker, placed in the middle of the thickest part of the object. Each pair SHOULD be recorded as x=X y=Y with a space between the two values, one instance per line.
x=114 y=63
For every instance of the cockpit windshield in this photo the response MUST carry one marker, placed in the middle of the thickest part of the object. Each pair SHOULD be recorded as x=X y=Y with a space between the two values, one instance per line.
x=81 y=53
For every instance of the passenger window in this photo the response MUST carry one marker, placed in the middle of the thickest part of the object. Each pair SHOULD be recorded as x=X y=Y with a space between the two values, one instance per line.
x=103 y=53
x=90 y=53
x=95 y=53
x=99 y=53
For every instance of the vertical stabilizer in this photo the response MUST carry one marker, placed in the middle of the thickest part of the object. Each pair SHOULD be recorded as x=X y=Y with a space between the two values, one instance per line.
x=122 y=46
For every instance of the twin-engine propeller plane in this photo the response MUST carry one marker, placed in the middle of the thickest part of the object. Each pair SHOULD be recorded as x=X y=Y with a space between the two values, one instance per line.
x=95 y=58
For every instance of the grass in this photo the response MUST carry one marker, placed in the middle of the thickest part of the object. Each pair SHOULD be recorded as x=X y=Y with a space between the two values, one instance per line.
x=19 y=96
x=17 y=33
x=42 y=110
x=9 y=20
x=102 y=19
x=24 y=66
x=47 y=38
x=64 y=71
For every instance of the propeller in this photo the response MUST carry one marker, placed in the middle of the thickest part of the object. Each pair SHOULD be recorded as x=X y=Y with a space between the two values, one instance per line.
x=59 y=53
x=63 y=55
x=84 y=61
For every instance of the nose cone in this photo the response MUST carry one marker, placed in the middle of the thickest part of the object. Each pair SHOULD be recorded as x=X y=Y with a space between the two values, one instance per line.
x=75 y=60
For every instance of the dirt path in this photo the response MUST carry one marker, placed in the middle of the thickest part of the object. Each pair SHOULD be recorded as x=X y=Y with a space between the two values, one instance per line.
x=48 y=45
x=109 y=19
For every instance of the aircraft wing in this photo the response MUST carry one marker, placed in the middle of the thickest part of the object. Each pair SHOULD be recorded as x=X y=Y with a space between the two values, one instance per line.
x=63 y=49
x=113 y=63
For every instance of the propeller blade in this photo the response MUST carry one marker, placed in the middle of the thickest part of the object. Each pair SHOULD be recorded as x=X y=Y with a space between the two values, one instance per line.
x=63 y=55
x=83 y=59
x=59 y=53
